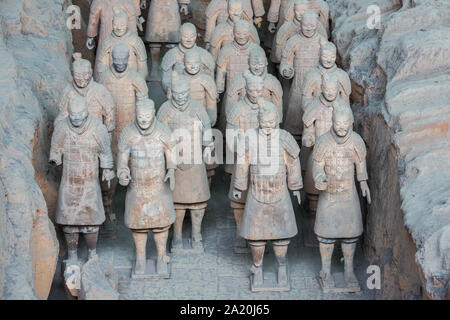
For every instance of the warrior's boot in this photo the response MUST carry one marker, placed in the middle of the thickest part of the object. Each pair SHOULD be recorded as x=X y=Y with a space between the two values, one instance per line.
x=91 y=241
x=72 y=246
x=326 y=252
x=154 y=72
x=196 y=219
x=239 y=242
x=161 y=243
x=348 y=249
x=140 y=241
x=177 y=241
x=280 y=250
x=257 y=249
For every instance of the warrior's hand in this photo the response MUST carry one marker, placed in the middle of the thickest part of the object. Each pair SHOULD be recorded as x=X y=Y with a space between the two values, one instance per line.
x=171 y=177
x=288 y=72
x=143 y=4
x=139 y=23
x=308 y=141
x=365 y=191
x=90 y=43
x=207 y=154
x=299 y=198
x=219 y=91
x=124 y=179
x=272 y=28
x=257 y=21
x=237 y=194
x=108 y=175
x=184 y=9
x=207 y=46
x=321 y=182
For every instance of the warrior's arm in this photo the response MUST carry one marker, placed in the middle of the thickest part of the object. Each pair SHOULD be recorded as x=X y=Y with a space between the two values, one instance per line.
x=214 y=48
x=57 y=145
x=254 y=37
x=140 y=85
x=277 y=97
x=287 y=60
x=63 y=111
x=108 y=105
x=294 y=172
x=208 y=62
x=141 y=58
x=281 y=37
x=104 y=58
x=94 y=18
x=105 y=154
x=211 y=102
x=258 y=8
x=221 y=74
x=309 y=129
x=211 y=23
x=309 y=89
x=123 y=154
x=274 y=11
x=242 y=168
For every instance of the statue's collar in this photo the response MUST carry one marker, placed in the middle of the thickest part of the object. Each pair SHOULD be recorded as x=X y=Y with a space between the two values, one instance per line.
x=183 y=49
x=242 y=47
x=324 y=70
x=252 y=105
x=119 y=75
x=82 y=91
x=82 y=129
x=325 y=102
x=126 y=34
x=341 y=140
x=174 y=105
x=147 y=131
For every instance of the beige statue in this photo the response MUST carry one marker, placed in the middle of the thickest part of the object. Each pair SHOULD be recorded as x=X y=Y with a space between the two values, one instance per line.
x=81 y=144
x=320 y=7
x=203 y=89
x=217 y=12
x=147 y=166
x=268 y=168
x=337 y=155
x=121 y=34
x=313 y=80
x=300 y=54
x=242 y=117
x=190 y=124
x=100 y=105
x=174 y=58
x=163 y=24
x=224 y=34
x=316 y=122
x=101 y=12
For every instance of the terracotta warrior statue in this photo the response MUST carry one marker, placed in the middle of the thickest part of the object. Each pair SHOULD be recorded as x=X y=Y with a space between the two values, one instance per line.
x=218 y=12
x=316 y=122
x=320 y=7
x=203 y=89
x=337 y=155
x=300 y=54
x=81 y=144
x=223 y=33
x=163 y=24
x=268 y=168
x=174 y=58
x=100 y=105
x=242 y=117
x=121 y=34
x=147 y=166
x=312 y=83
x=190 y=124
x=101 y=12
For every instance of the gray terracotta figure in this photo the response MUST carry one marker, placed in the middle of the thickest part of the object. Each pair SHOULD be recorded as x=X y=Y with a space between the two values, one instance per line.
x=336 y=156
x=300 y=54
x=268 y=168
x=217 y=12
x=163 y=24
x=101 y=13
x=316 y=122
x=121 y=34
x=146 y=164
x=191 y=126
x=100 y=105
x=81 y=144
x=320 y=7
x=174 y=58
x=223 y=33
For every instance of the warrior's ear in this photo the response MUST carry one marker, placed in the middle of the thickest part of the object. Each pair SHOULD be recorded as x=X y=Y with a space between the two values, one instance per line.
x=76 y=56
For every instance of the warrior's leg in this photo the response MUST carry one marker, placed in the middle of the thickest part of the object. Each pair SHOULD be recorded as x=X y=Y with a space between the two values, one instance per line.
x=140 y=241
x=177 y=241
x=313 y=200
x=107 y=197
x=91 y=237
x=280 y=248
x=239 y=241
x=160 y=235
x=257 y=248
x=196 y=219
x=326 y=247
x=348 y=249
x=72 y=243
x=155 y=49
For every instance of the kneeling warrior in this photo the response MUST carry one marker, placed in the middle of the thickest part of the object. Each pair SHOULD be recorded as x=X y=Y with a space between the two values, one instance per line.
x=145 y=153
x=272 y=165
x=336 y=156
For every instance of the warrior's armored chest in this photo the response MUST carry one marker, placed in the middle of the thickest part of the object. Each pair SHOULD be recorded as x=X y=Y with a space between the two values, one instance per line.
x=339 y=168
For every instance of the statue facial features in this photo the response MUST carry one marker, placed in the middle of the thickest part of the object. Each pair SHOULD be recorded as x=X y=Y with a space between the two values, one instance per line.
x=192 y=65
x=145 y=117
x=341 y=124
x=329 y=91
x=309 y=26
x=241 y=35
x=82 y=79
x=188 y=38
x=327 y=58
x=257 y=65
x=120 y=61
x=180 y=96
x=235 y=11
x=254 y=91
x=120 y=27
x=78 y=115
x=267 y=125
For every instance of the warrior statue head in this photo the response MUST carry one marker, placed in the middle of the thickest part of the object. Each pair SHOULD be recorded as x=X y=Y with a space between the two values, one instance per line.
x=78 y=111
x=119 y=22
x=192 y=62
x=82 y=71
x=180 y=91
x=309 y=23
x=269 y=118
x=188 y=35
x=254 y=87
x=120 y=56
x=235 y=10
x=241 y=32
x=329 y=87
x=257 y=61
x=342 y=119
x=328 y=55
x=300 y=7
x=145 y=111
